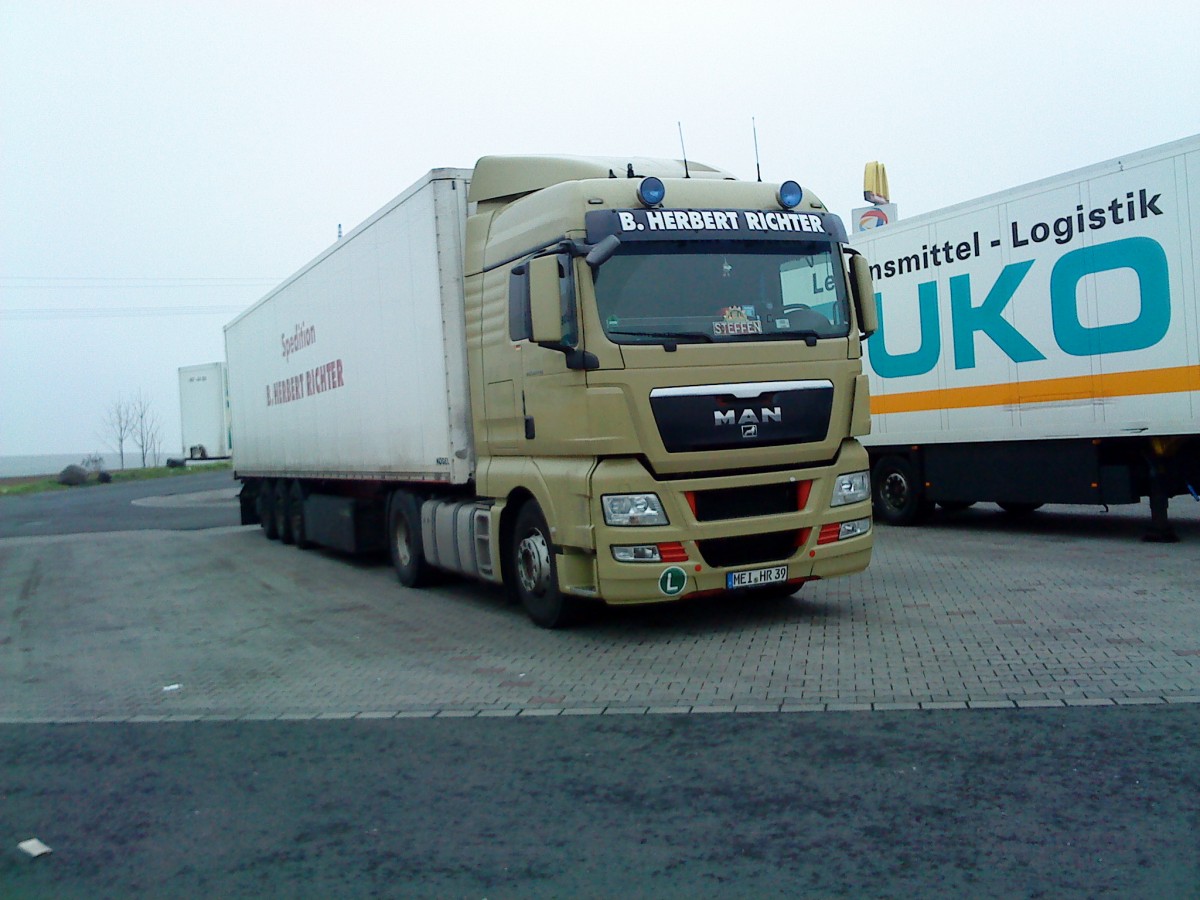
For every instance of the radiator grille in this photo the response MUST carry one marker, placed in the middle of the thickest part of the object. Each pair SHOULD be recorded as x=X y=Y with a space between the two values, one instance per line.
x=745 y=502
x=748 y=549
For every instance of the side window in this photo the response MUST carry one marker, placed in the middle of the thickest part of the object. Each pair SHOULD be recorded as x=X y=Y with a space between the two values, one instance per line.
x=566 y=291
x=520 y=322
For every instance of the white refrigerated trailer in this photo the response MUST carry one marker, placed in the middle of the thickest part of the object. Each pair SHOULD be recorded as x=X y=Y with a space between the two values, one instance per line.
x=1042 y=344
x=204 y=411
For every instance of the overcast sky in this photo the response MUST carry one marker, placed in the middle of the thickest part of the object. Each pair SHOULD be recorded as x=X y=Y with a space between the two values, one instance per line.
x=163 y=164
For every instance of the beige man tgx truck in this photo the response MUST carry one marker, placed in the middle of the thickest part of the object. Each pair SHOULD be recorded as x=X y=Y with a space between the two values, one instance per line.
x=619 y=380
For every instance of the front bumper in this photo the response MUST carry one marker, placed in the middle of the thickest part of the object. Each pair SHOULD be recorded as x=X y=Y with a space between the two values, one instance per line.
x=720 y=535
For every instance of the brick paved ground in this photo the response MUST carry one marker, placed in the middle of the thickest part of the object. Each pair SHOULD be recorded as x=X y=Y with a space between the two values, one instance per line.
x=1068 y=608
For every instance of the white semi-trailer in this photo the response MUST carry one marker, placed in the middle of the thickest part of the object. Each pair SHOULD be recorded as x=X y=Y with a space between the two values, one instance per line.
x=1042 y=344
x=622 y=380
x=204 y=411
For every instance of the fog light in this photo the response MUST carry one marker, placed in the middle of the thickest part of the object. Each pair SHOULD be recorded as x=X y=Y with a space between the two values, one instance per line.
x=637 y=553
x=854 y=528
x=833 y=532
x=669 y=552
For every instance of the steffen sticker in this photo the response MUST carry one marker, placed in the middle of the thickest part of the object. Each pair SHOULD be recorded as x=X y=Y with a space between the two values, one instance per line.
x=672 y=581
x=738 y=320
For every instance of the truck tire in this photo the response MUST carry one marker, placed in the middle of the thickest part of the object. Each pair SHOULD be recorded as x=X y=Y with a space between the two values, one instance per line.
x=899 y=497
x=296 y=516
x=533 y=572
x=404 y=540
x=266 y=509
x=283 y=522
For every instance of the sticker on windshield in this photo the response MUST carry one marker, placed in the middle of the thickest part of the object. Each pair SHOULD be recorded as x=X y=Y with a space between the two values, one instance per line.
x=738 y=320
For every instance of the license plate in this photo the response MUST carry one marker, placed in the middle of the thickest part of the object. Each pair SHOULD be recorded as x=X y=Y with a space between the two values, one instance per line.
x=754 y=577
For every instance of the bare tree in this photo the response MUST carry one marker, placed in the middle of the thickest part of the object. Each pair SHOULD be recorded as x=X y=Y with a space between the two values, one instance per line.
x=147 y=429
x=118 y=425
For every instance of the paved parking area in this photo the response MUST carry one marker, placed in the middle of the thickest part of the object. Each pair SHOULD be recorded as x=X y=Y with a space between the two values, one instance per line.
x=973 y=611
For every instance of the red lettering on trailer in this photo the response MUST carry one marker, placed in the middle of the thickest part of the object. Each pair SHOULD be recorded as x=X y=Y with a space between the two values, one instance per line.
x=317 y=380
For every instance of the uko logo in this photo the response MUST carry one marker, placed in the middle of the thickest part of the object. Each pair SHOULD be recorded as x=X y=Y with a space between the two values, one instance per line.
x=1144 y=256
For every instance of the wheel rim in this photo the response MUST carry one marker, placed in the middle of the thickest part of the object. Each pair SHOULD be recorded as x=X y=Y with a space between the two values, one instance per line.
x=401 y=538
x=894 y=490
x=533 y=563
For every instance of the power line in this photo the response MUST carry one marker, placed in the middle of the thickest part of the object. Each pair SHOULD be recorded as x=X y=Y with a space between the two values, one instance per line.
x=39 y=282
x=134 y=312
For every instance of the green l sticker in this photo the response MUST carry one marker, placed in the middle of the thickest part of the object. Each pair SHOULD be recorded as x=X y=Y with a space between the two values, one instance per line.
x=672 y=581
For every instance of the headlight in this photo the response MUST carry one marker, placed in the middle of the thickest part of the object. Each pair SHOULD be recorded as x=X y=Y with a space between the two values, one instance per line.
x=633 y=509
x=851 y=488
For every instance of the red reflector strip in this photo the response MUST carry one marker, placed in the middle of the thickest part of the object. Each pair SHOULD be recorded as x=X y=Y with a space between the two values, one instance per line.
x=829 y=533
x=672 y=552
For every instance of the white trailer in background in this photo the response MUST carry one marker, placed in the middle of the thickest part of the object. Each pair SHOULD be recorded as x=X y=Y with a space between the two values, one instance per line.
x=204 y=411
x=1042 y=344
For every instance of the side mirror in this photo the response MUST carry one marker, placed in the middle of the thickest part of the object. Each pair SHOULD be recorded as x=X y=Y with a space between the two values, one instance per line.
x=545 y=300
x=863 y=289
x=603 y=251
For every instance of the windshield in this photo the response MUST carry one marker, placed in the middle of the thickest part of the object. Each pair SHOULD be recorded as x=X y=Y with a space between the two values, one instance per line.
x=722 y=291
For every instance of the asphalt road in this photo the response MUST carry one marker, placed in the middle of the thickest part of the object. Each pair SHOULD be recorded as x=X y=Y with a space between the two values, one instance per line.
x=1065 y=802
x=184 y=502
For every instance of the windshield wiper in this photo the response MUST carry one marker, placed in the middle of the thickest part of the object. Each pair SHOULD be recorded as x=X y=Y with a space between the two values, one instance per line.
x=670 y=339
x=809 y=337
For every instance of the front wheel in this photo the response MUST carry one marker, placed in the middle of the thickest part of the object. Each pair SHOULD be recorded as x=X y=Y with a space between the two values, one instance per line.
x=533 y=572
x=899 y=497
x=404 y=540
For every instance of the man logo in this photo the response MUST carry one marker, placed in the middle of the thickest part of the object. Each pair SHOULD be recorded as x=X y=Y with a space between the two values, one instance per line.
x=748 y=417
x=749 y=431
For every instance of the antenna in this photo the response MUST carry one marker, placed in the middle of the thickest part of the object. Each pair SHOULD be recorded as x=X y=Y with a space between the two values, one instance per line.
x=684 y=150
x=757 y=167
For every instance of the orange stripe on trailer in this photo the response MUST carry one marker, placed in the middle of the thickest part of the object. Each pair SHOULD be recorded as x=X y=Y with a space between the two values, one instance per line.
x=1177 y=379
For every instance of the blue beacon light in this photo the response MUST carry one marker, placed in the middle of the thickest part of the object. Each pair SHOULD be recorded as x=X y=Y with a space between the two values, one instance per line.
x=790 y=195
x=651 y=191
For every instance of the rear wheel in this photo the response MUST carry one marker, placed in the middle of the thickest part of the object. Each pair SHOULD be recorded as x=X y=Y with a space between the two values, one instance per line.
x=404 y=540
x=283 y=523
x=296 y=516
x=534 y=573
x=266 y=509
x=898 y=494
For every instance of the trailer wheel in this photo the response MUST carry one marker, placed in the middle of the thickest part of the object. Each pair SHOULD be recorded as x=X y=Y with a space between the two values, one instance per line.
x=283 y=523
x=266 y=509
x=296 y=516
x=404 y=540
x=534 y=573
x=898 y=494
